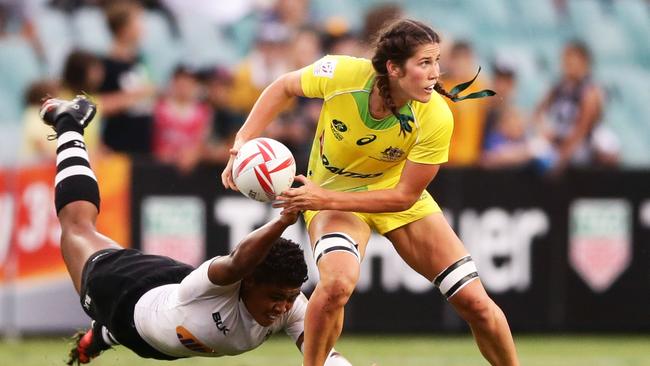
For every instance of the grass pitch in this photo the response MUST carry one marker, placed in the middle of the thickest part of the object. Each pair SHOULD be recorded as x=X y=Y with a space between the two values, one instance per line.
x=579 y=350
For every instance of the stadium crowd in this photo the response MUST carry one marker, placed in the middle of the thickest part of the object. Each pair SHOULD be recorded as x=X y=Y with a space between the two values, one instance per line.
x=186 y=111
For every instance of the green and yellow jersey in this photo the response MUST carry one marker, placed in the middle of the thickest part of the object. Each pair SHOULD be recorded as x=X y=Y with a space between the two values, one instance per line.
x=352 y=151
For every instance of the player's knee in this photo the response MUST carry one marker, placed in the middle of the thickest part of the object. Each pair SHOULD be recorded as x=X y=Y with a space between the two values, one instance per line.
x=470 y=301
x=71 y=229
x=338 y=289
x=477 y=310
x=78 y=216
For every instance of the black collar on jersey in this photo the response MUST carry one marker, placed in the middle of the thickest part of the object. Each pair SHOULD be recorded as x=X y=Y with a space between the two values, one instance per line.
x=460 y=87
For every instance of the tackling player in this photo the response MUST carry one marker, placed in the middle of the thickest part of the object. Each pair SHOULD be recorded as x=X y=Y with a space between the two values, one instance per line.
x=383 y=132
x=158 y=307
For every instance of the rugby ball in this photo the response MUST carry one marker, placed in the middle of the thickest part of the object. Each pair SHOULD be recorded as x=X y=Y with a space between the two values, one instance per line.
x=263 y=168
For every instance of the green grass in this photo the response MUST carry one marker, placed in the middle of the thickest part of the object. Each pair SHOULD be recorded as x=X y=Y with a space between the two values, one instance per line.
x=366 y=350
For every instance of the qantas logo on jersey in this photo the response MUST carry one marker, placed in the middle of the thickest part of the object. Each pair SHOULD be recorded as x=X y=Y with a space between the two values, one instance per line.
x=338 y=127
x=345 y=173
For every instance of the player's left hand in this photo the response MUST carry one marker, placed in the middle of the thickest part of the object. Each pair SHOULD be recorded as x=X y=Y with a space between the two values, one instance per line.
x=309 y=196
x=289 y=217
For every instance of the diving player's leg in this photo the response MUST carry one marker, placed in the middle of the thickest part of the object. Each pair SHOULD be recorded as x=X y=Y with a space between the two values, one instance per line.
x=76 y=190
x=339 y=240
x=431 y=247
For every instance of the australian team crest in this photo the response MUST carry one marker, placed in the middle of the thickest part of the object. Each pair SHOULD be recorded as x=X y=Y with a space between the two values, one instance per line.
x=392 y=154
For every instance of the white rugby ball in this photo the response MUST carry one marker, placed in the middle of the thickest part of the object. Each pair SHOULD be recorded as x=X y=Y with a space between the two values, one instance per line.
x=263 y=168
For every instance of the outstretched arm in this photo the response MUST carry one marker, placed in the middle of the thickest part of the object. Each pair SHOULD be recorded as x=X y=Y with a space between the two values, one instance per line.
x=274 y=99
x=250 y=252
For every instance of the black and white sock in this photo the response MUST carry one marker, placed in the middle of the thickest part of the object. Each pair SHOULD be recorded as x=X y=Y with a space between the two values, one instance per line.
x=74 y=181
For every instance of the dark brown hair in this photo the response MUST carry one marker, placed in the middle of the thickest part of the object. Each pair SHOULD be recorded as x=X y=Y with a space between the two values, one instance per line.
x=397 y=42
x=119 y=13
x=75 y=71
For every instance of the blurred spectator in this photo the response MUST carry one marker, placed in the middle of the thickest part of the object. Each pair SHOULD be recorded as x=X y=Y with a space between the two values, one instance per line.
x=505 y=141
x=305 y=47
x=339 y=40
x=569 y=114
x=506 y=145
x=220 y=13
x=126 y=91
x=293 y=14
x=266 y=62
x=469 y=115
x=83 y=73
x=504 y=83
x=16 y=19
x=225 y=121
x=295 y=127
x=376 y=18
x=35 y=145
x=181 y=122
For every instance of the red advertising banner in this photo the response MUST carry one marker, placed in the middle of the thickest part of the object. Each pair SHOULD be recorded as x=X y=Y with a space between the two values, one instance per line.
x=35 y=230
x=7 y=217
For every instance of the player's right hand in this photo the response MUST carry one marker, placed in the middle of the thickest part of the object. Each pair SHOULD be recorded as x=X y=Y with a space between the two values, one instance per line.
x=226 y=175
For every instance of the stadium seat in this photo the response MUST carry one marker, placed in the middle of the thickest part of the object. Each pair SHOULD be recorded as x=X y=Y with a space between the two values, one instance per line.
x=536 y=16
x=353 y=11
x=159 y=48
x=19 y=67
x=607 y=41
x=53 y=28
x=627 y=106
x=204 y=44
x=634 y=17
x=91 y=31
x=494 y=14
x=584 y=12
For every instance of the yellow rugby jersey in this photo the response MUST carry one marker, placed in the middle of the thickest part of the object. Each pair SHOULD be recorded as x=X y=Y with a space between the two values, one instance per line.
x=352 y=151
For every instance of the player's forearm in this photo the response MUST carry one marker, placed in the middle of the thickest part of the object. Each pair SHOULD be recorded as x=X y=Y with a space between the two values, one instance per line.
x=384 y=200
x=271 y=102
x=252 y=250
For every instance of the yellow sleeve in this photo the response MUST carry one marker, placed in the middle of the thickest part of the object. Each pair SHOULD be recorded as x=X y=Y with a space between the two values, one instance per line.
x=332 y=74
x=437 y=124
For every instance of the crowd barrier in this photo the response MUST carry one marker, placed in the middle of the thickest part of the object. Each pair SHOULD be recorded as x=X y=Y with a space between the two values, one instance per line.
x=563 y=254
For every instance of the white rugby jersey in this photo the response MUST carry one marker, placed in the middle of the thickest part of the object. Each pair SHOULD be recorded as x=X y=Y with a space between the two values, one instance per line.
x=199 y=318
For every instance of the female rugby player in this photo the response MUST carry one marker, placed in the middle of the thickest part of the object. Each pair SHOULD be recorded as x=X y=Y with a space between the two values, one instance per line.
x=383 y=132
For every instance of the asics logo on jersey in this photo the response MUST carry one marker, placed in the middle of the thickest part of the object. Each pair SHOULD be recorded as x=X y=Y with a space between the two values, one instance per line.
x=366 y=139
x=345 y=173
x=220 y=325
x=338 y=127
